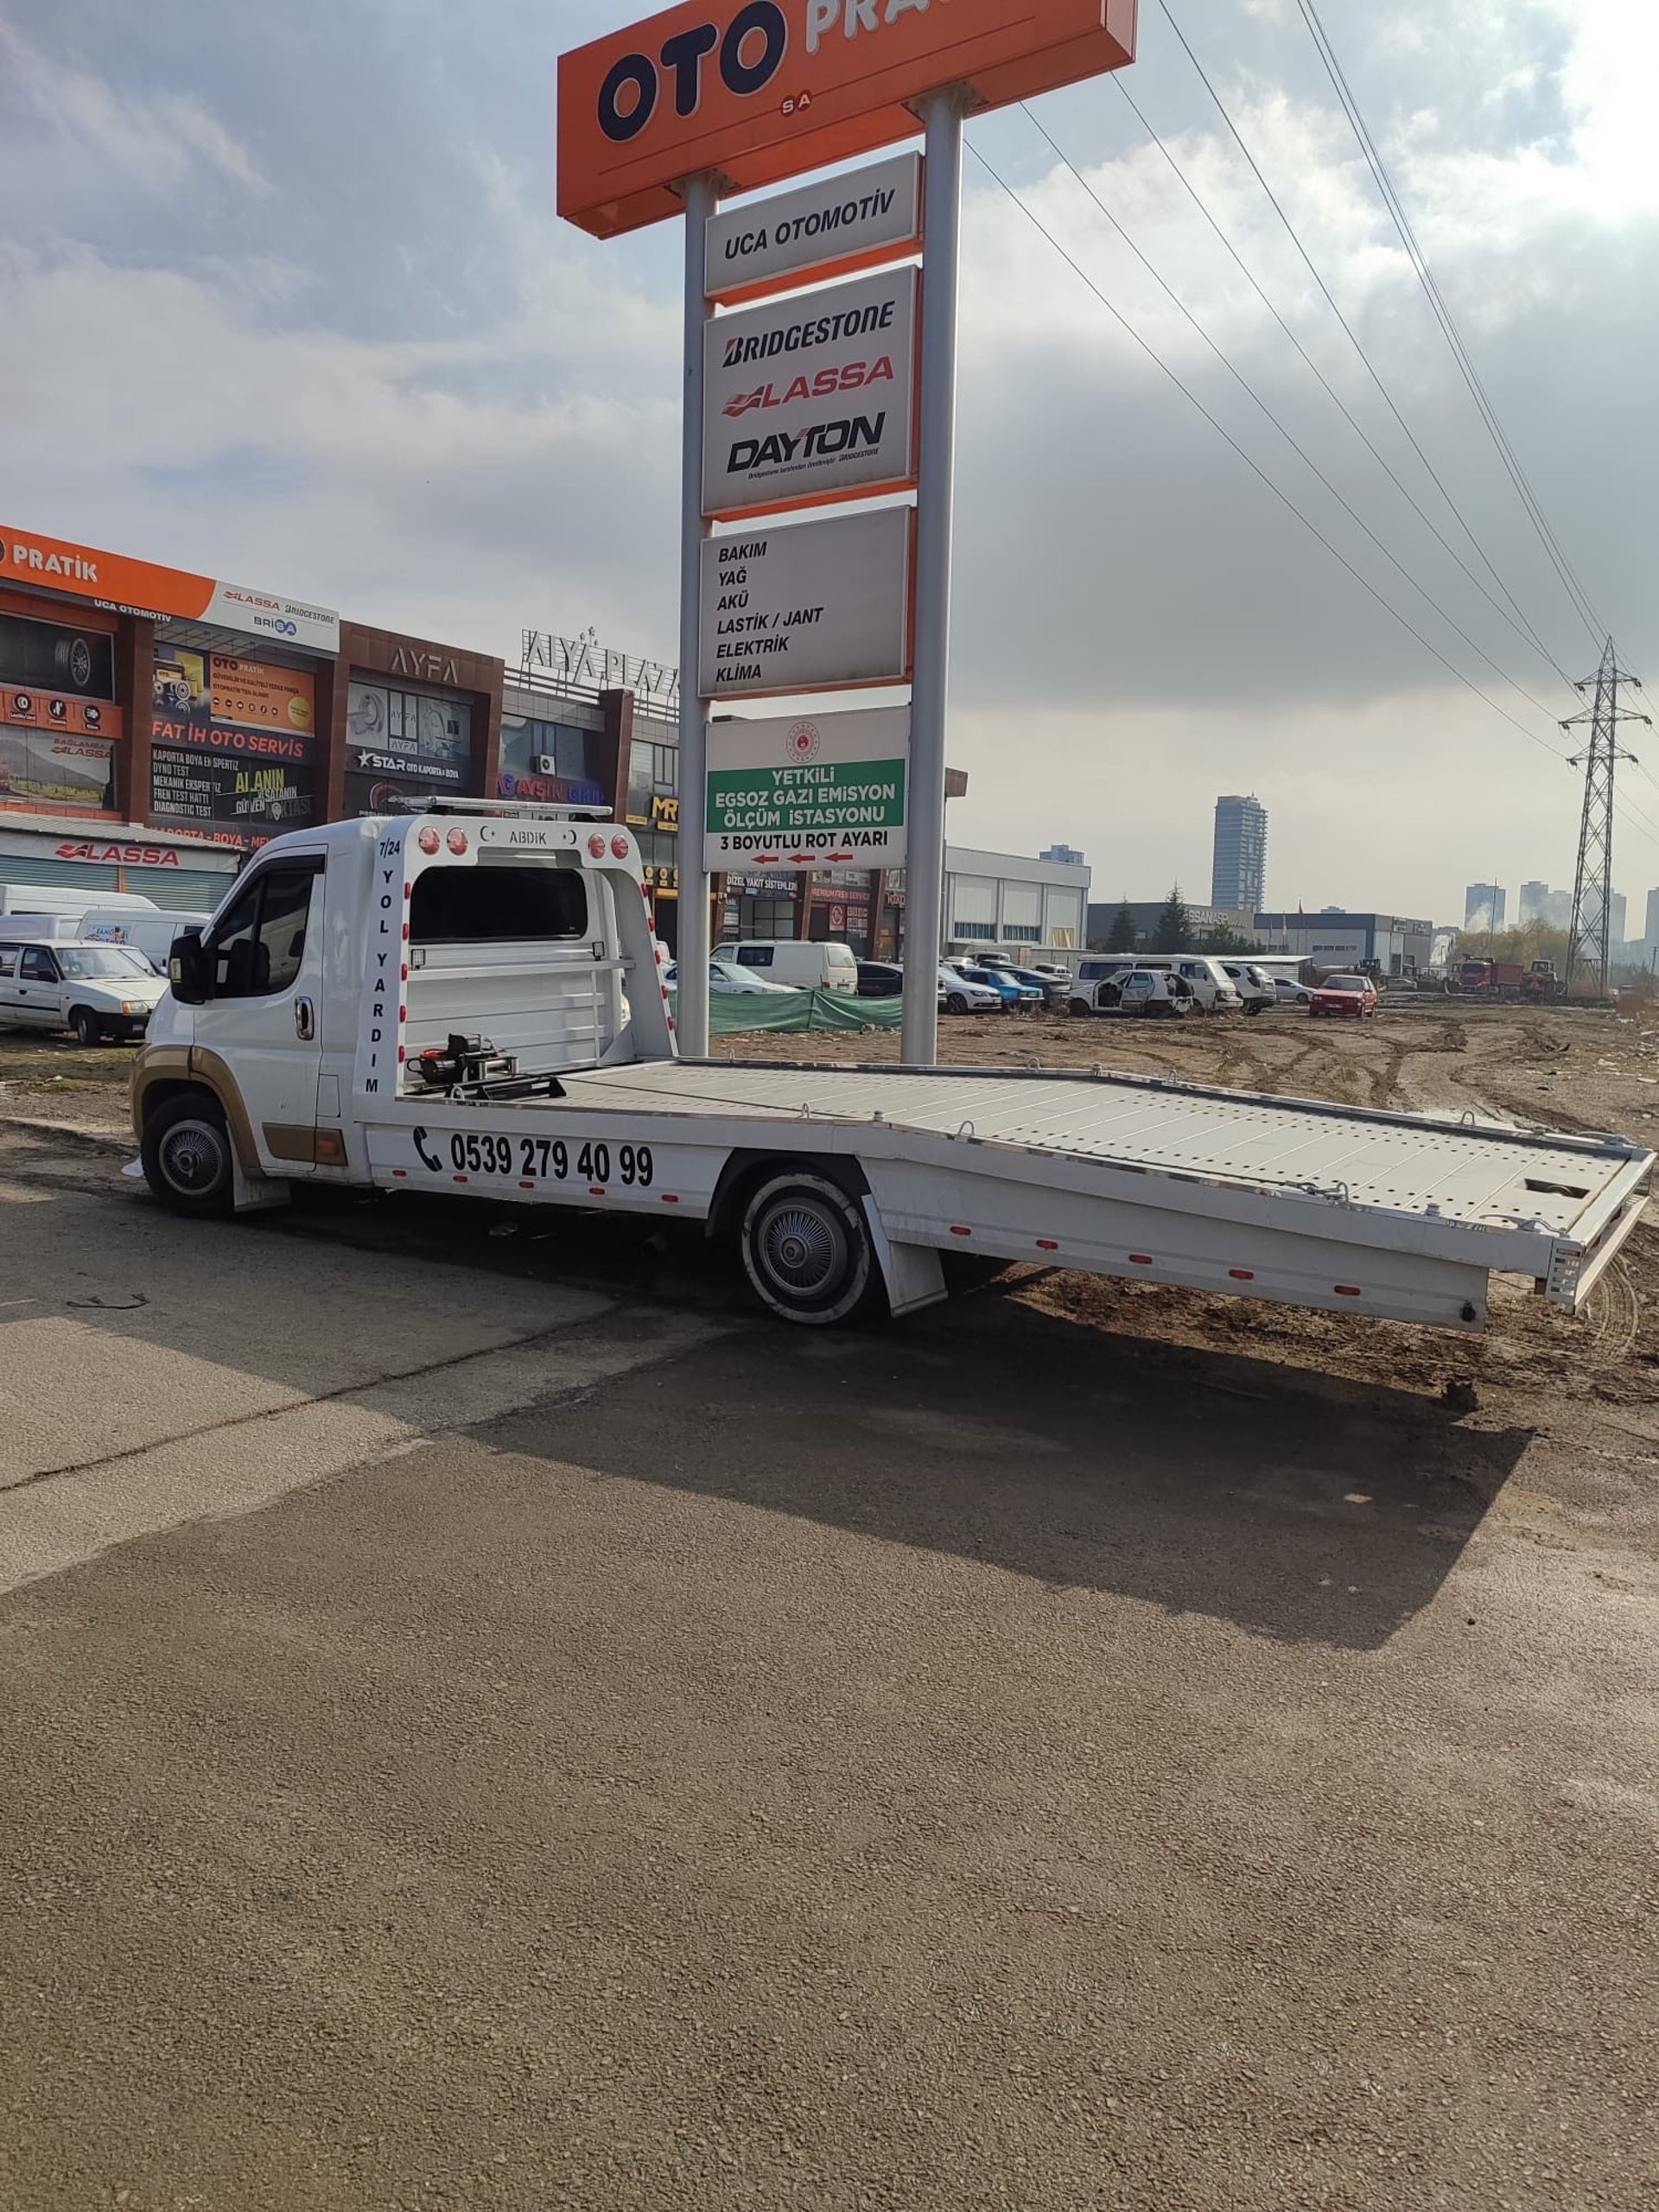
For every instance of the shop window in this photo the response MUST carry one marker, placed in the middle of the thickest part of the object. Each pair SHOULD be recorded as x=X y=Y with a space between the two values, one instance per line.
x=980 y=932
x=497 y=906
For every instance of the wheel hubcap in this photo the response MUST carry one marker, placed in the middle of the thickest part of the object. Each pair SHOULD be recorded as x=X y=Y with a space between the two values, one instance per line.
x=801 y=1250
x=192 y=1158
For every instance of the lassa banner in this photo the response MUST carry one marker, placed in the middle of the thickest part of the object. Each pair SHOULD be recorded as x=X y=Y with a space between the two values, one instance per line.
x=757 y=91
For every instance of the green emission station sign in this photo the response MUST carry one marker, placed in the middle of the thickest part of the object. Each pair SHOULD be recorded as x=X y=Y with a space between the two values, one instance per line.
x=821 y=791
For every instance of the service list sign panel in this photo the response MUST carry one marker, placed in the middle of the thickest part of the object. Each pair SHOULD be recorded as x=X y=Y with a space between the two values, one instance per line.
x=812 y=606
x=808 y=791
x=812 y=398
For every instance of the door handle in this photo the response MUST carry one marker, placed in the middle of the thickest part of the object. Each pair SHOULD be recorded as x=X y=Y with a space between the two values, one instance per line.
x=305 y=1020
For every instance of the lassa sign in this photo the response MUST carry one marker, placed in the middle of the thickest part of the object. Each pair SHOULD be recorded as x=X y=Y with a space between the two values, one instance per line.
x=756 y=90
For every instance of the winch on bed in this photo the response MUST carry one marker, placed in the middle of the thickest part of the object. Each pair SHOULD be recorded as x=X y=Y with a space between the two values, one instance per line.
x=462 y=1060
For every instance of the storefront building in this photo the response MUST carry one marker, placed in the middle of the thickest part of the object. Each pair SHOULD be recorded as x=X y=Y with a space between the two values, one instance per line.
x=154 y=724
x=411 y=719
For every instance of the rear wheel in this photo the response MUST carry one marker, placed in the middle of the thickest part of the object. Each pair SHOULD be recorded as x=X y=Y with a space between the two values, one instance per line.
x=808 y=1252
x=186 y=1156
x=88 y=1029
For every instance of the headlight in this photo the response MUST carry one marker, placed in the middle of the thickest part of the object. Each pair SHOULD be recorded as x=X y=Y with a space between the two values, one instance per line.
x=134 y=1006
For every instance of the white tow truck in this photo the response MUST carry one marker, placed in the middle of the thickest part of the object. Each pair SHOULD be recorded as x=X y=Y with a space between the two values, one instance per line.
x=470 y=1000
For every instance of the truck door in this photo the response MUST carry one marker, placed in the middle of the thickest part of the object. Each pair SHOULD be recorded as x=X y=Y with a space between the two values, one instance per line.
x=263 y=1020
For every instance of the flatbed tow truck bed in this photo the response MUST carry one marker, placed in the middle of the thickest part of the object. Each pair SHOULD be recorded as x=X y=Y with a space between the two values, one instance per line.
x=1396 y=1214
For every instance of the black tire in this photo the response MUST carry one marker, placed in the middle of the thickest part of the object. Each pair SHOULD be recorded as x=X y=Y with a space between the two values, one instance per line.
x=187 y=1155
x=1256 y=1007
x=808 y=1252
x=955 y=1003
x=1079 y=1008
x=88 y=1029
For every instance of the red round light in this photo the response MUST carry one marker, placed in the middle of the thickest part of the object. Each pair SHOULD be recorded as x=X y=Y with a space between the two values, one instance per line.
x=429 y=841
x=596 y=847
x=457 y=840
x=621 y=848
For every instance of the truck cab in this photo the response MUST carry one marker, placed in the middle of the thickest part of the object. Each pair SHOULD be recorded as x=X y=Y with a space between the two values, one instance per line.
x=345 y=956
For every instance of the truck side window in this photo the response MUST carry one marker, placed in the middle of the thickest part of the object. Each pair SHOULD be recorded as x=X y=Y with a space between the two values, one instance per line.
x=754 y=955
x=258 y=946
x=39 y=966
x=8 y=960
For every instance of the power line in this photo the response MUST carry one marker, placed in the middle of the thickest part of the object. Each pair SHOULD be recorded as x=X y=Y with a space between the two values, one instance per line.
x=1295 y=446
x=1256 y=469
x=1353 y=421
x=1353 y=339
x=1443 y=315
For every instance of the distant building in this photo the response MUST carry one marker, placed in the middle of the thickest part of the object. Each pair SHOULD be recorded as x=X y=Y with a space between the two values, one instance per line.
x=1617 y=913
x=1239 y=877
x=1535 y=901
x=1062 y=857
x=1206 y=920
x=1483 y=906
x=1332 y=938
x=1651 y=933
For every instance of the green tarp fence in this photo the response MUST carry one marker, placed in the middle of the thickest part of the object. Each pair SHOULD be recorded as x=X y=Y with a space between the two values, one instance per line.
x=731 y=1013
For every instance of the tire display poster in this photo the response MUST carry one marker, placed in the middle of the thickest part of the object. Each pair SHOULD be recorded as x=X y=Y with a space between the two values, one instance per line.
x=812 y=398
x=808 y=791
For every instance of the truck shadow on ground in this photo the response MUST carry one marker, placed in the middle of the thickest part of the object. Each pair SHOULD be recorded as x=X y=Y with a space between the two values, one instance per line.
x=1294 y=1505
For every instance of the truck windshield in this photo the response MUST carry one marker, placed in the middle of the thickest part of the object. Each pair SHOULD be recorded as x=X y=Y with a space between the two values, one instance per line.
x=497 y=906
x=87 y=961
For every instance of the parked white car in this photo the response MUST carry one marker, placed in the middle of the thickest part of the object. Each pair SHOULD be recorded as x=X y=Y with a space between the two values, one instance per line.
x=1253 y=985
x=726 y=978
x=962 y=997
x=1212 y=991
x=1288 y=992
x=102 y=992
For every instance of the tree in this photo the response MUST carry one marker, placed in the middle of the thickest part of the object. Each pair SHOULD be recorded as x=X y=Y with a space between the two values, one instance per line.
x=1174 y=924
x=1225 y=939
x=1120 y=937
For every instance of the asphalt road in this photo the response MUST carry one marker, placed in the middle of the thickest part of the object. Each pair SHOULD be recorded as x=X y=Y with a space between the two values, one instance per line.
x=471 y=1739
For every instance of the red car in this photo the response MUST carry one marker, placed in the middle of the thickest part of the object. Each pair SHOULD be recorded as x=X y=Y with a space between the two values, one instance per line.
x=1353 y=994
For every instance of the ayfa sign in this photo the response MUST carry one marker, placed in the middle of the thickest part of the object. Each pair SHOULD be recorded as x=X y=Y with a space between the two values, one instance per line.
x=808 y=791
x=761 y=90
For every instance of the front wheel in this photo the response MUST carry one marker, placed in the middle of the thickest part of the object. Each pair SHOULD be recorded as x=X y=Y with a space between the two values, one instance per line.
x=88 y=1029
x=955 y=1003
x=808 y=1252
x=186 y=1156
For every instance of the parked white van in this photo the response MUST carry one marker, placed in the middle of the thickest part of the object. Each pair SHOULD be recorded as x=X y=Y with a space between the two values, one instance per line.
x=149 y=929
x=808 y=966
x=1213 y=990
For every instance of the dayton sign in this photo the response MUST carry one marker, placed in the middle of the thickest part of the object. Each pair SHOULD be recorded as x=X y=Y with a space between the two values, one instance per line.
x=757 y=91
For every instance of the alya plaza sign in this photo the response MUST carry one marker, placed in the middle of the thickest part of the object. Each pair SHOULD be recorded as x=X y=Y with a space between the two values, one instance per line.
x=762 y=89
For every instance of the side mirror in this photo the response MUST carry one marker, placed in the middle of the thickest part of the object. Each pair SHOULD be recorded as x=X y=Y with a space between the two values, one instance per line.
x=189 y=969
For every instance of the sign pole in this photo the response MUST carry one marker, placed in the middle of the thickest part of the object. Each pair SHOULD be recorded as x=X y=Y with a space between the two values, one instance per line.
x=700 y=196
x=942 y=113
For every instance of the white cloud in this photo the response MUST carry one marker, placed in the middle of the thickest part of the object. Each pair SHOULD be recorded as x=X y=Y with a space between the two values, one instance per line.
x=161 y=140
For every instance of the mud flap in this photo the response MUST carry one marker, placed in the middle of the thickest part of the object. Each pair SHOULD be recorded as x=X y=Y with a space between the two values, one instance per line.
x=258 y=1193
x=911 y=1272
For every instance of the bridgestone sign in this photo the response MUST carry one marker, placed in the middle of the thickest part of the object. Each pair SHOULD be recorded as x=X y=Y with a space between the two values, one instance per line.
x=809 y=606
x=828 y=229
x=812 y=398
x=808 y=791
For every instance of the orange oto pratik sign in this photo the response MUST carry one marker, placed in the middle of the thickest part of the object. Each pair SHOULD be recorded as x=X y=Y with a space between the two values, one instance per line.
x=761 y=90
x=124 y=586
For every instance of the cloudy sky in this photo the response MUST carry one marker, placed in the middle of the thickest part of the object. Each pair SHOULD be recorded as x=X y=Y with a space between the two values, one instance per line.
x=284 y=297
